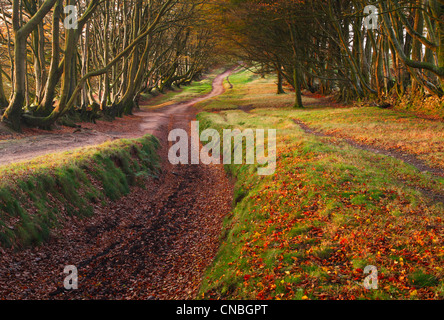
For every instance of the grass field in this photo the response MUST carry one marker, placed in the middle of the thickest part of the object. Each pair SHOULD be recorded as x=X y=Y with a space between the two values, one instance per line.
x=309 y=230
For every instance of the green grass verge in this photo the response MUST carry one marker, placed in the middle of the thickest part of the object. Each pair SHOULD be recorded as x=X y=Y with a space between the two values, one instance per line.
x=309 y=230
x=38 y=195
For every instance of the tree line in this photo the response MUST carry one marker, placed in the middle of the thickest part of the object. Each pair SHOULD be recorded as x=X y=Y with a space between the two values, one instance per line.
x=326 y=45
x=99 y=57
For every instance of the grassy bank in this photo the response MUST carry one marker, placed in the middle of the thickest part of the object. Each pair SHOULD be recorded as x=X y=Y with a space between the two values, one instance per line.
x=309 y=230
x=39 y=195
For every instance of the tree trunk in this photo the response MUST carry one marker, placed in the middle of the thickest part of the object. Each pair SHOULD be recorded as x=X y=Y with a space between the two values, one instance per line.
x=439 y=14
x=13 y=112
x=297 y=88
x=106 y=83
x=3 y=101
x=416 y=45
x=280 y=78
x=38 y=38
x=85 y=55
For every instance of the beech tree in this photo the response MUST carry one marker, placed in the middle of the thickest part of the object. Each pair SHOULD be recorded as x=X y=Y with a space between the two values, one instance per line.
x=117 y=50
x=327 y=46
x=21 y=32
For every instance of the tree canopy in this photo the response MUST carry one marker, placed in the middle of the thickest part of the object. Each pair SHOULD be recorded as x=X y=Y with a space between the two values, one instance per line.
x=327 y=45
x=116 y=51
x=120 y=49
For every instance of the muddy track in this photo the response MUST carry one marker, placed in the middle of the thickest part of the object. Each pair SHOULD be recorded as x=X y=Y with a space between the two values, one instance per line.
x=154 y=243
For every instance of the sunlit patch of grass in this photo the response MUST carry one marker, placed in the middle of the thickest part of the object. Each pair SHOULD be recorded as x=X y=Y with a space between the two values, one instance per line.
x=248 y=90
x=177 y=95
x=389 y=129
x=37 y=195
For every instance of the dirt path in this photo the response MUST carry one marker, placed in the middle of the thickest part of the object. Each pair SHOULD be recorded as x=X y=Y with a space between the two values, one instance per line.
x=433 y=196
x=38 y=143
x=154 y=243
x=406 y=157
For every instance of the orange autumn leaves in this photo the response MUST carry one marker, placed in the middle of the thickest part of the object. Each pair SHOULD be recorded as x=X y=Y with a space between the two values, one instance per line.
x=310 y=231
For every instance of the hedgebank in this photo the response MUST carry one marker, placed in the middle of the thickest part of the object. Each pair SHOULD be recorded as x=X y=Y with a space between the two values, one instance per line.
x=37 y=196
